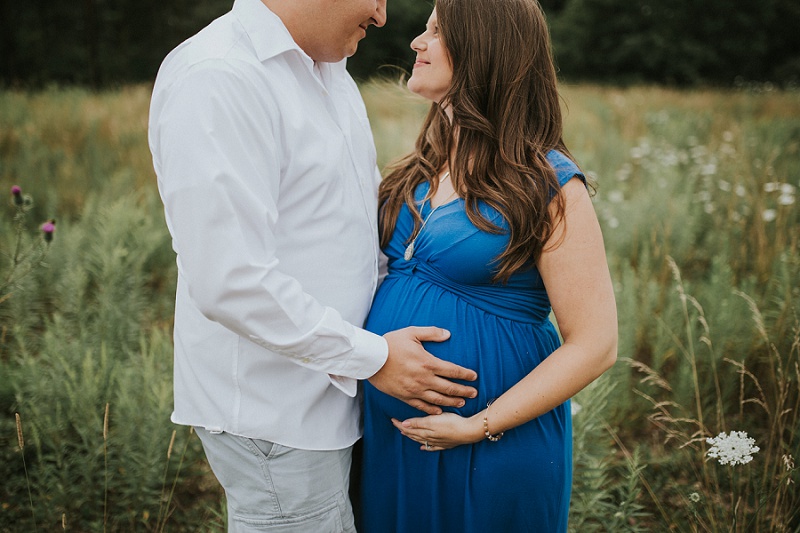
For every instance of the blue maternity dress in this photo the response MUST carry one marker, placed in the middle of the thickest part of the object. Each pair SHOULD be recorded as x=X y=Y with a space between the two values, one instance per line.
x=522 y=482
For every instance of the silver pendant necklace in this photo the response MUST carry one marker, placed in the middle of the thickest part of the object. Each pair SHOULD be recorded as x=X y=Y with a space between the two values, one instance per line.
x=409 y=253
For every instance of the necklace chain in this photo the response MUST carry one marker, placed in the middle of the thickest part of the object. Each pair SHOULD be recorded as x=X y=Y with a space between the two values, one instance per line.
x=409 y=253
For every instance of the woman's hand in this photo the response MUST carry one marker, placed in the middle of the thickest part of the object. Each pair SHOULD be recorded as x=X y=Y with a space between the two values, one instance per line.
x=441 y=432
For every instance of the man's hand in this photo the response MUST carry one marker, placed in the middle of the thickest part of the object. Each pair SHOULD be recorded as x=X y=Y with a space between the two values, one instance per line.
x=416 y=377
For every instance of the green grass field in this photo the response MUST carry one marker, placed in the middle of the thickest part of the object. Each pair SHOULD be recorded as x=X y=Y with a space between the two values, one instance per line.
x=697 y=194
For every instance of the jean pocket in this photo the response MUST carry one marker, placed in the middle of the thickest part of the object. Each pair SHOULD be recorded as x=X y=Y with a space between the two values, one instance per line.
x=262 y=448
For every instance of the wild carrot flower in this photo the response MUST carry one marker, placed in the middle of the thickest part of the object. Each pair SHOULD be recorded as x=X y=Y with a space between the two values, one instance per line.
x=769 y=215
x=694 y=497
x=733 y=449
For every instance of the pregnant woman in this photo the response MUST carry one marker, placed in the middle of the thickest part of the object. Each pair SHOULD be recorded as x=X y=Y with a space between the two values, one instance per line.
x=488 y=226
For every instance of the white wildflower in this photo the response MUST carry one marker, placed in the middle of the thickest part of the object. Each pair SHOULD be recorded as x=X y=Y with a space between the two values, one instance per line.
x=670 y=159
x=704 y=196
x=709 y=169
x=786 y=199
x=724 y=185
x=575 y=408
x=733 y=449
x=771 y=186
x=616 y=196
x=694 y=497
x=740 y=191
x=787 y=188
x=613 y=222
x=769 y=215
x=625 y=172
x=698 y=152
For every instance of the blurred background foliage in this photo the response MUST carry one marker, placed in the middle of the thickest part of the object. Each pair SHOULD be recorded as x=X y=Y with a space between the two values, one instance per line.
x=698 y=200
x=698 y=194
x=676 y=42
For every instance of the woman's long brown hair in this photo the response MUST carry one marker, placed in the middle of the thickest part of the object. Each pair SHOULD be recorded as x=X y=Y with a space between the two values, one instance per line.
x=505 y=119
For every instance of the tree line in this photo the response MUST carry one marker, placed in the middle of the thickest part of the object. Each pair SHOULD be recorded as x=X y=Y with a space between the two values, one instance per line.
x=99 y=43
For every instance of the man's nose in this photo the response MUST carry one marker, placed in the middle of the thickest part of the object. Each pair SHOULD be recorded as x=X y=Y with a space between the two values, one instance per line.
x=379 y=18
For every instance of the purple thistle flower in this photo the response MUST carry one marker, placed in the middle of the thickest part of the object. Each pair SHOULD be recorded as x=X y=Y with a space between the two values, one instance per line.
x=48 y=228
x=16 y=190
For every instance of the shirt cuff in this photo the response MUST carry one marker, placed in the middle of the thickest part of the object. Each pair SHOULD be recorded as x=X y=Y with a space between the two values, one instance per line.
x=369 y=348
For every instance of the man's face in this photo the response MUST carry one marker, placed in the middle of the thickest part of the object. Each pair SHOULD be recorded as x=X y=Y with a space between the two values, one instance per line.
x=339 y=25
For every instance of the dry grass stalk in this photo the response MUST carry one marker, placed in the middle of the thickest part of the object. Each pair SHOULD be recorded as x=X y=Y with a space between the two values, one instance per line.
x=742 y=371
x=651 y=376
x=20 y=438
x=171 y=444
x=105 y=423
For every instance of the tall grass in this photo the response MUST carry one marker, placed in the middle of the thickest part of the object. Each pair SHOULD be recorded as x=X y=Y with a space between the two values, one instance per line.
x=698 y=202
x=85 y=351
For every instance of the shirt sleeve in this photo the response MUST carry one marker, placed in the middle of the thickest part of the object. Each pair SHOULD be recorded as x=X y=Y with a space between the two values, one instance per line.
x=217 y=160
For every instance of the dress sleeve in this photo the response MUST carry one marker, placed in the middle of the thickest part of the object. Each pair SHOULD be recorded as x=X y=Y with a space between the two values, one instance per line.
x=565 y=168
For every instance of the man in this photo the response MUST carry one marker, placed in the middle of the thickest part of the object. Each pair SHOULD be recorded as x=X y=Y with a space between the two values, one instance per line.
x=266 y=168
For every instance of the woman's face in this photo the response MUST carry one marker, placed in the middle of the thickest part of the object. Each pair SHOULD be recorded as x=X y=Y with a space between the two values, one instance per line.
x=433 y=72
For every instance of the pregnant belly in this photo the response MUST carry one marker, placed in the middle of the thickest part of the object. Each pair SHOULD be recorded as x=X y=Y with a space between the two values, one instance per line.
x=501 y=351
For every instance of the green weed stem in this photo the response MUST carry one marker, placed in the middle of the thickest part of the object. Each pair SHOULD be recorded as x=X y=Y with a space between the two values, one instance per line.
x=21 y=443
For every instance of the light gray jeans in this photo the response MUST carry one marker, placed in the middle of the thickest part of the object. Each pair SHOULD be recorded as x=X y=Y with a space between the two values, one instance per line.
x=277 y=489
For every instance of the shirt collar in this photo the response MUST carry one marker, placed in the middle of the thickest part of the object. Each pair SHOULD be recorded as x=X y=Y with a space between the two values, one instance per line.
x=270 y=36
x=266 y=30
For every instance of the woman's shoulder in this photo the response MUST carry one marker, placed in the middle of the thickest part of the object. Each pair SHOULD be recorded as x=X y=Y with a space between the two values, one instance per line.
x=565 y=167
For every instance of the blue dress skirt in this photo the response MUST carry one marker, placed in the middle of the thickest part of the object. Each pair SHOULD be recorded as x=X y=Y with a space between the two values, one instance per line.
x=521 y=483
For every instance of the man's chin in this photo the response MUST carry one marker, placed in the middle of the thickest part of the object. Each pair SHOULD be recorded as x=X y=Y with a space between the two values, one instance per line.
x=352 y=51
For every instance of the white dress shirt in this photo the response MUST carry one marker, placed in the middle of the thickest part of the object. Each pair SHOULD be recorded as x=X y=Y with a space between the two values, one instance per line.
x=266 y=167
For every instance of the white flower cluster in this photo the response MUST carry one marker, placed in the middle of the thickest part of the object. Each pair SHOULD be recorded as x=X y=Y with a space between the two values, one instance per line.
x=736 y=448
